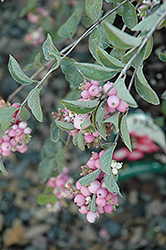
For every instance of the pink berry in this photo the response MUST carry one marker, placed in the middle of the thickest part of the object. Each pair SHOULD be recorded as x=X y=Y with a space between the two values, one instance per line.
x=101 y=153
x=92 y=217
x=97 y=165
x=6 y=138
x=110 y=110
x=113 y=101
x=11 y=132
x=85 y=191
x=95 y=83
x=6 y=146
x=15 y=126
x=78 y=185
x=93 y=90
x=16 y=105
x=95 y=155
x=22 y=149
x=106 y=88
x=102 y=193
x=6 y=153
x=85 y=94
x=87 y=85
x=100 y=210
x=89 y=138
x=101 y=202
x=74 y=132
x=83 y=210
x=91 y=163
x=13 y=142
x=94 y=186
x=122 y=106
x=79 y=200
x=19 y=131
x=22 y=125
x=108 y=208
x=95 y=134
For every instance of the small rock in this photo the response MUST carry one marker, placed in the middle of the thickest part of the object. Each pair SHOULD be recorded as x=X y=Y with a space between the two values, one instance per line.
x=137 y=235
x=1 y=221
x=133 y=197
x=36 y=230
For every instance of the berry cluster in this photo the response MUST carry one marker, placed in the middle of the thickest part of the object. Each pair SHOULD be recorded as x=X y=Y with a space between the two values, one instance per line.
x=141 y=144
x=103 y=199
x=16 y=137
x=58 y=185
x=91 y=91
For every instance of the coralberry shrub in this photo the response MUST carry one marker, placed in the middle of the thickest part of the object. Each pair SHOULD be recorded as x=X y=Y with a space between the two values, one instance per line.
x=98 y=117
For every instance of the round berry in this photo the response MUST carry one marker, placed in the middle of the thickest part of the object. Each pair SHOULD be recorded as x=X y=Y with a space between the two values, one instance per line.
x=108 y=208
x=95 y=83
x=85 y=94
x=78 y=120
x=102 y=193
x=101 y=202
x=6 y=146
x=83 y=210
x=78 y=185
x=94 y=186
x=107 y=86
x=113 y=101
x=85 y=191
x=92 y=217
x=79 y=200
x=91 y=163
x=89 y=138
x=93 y=90
x=122 y=106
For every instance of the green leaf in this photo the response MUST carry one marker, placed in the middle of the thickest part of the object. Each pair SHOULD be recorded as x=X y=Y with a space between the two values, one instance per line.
x=106 y=145
x=69 y=28
x=65 y=125
x=24 y=114
x=120 y=39
x=51 y=52
x=129 y=16
x=93 y=9
x=71 y=72
x=137 y=60
x=60 y=159
x=95 y=40
x=148 y=48
x=2 y=168
x=117 y=53
x=17 y=73
x=143 y=89
x=50 y=149
x=111 y=184
x=162 y=57
x=100 y=117
x=42 y=199
x=54 y=132
x=114 y=119
x=149 y=22
x=93 y=206
x=46 y=167
x=96 y=72
x=105 y=160
x=81 y=107
x=124 y=94
x=6 y=114
x=124 y=132
x=53 y=199
x=80 y=141
x=108 y=60
x=34 y=104
x=89 y=178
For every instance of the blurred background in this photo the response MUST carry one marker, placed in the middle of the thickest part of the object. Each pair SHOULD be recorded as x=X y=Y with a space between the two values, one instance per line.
x=140 y=220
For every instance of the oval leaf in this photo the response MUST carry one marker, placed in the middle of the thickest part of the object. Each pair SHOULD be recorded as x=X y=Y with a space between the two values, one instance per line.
x=124 y=94
x=17 y=73
x=46 y=167
x=105 y=160
x=6 y=114
x=42 y=199
x=24 y=114
x=65 y=125
x=89 y=178
x=93 y=8
x=129 y=15
x=111 y=184
x=81 y=107
x=96 y=72
x=124 y=132
x=144 y=90
x=34 y=104
x=100 y=117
